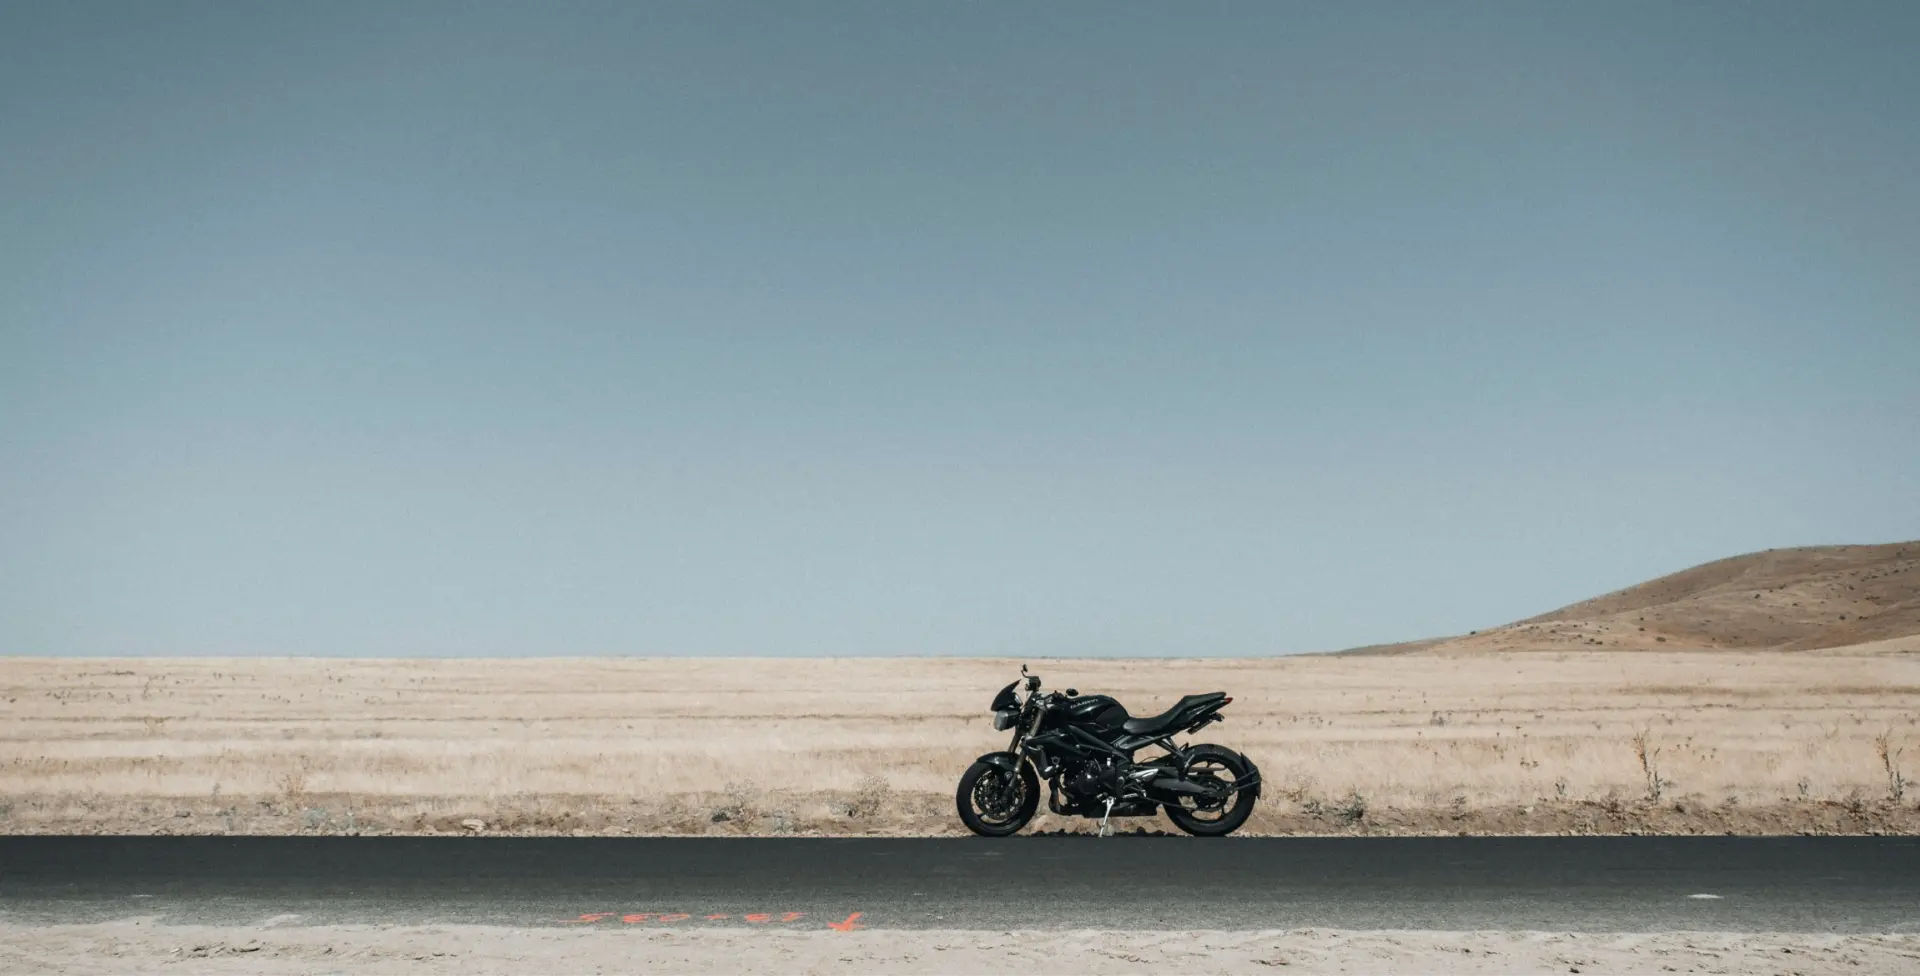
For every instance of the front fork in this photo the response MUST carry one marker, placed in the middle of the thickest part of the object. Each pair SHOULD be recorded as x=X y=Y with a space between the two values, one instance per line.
x=1013 y=746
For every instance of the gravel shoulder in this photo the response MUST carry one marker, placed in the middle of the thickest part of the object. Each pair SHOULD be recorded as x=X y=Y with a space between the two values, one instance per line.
x=144 y=946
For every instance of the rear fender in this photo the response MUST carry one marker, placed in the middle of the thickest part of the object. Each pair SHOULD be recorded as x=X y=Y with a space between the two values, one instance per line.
x=1205 y=715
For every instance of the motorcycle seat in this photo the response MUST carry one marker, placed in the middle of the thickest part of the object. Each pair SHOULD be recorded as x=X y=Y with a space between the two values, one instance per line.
x=1171 y=719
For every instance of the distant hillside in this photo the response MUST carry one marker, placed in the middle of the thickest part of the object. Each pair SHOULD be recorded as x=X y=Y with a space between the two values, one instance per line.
x=1784 y=599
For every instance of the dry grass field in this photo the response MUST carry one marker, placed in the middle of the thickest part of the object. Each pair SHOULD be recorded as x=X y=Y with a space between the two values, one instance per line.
x=1500 y=742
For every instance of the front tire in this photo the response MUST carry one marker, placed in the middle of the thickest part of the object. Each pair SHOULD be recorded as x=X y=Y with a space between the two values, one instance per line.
x=994 y=802
x=1222 y=765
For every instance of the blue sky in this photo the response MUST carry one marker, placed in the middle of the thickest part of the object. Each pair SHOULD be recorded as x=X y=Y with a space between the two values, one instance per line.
x=1137 y=329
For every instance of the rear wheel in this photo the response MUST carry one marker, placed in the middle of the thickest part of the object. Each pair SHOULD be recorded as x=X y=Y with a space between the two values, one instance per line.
x=1222 y=814
x=995 y=802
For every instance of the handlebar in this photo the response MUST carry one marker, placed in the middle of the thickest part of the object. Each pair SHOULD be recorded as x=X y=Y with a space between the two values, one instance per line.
x=1033 y=687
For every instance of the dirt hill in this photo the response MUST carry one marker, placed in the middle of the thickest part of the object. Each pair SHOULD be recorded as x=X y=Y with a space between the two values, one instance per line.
x=1784 y=599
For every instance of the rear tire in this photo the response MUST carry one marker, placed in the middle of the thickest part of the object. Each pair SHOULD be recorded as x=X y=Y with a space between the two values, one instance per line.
x=1221 y=764
x=996 y=803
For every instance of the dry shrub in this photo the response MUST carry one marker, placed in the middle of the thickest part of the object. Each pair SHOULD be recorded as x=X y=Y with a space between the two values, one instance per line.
x=1351 y=810
x=870 y=797
x=1647 y=753
x=1890 y=761
x=738 y=805
x=292 y=784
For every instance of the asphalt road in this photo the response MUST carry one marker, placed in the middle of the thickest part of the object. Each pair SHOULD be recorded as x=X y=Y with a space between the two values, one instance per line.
x=1623 y=884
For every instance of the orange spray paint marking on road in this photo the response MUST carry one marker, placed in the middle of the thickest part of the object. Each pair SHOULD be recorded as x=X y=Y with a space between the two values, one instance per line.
x=586 y=919
x=852 y=922
x=757 y=917
x=677 y=917
x=793 y=916
x=711 y=918
x=636 y=917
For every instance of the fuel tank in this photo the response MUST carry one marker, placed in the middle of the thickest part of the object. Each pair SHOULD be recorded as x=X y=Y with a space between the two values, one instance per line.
x=1099 y=710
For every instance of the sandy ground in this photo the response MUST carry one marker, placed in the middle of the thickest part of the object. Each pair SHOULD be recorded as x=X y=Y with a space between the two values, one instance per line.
x=144 y=947
x=1564 y=742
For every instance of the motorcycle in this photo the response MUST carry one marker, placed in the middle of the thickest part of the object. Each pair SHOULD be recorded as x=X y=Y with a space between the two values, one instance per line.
x=1084 y=746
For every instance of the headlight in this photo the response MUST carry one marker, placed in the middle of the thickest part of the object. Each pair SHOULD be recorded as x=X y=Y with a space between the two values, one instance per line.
x=1004 y=719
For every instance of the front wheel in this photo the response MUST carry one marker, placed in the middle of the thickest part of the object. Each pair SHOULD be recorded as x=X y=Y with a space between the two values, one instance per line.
x=1222 y=814
x=994 y=802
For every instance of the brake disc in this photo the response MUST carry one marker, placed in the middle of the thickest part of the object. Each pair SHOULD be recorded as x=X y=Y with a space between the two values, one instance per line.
x=996 y=795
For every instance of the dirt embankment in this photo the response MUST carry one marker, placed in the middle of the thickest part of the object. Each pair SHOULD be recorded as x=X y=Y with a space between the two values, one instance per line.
x=852 y=814
x=1782 y=599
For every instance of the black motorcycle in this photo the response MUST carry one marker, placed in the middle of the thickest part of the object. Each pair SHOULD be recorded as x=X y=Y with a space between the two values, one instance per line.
x=1084 y=745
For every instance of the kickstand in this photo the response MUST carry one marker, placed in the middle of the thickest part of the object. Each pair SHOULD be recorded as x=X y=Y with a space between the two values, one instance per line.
x=1105 y=830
